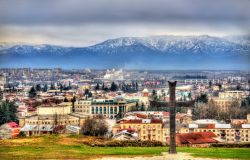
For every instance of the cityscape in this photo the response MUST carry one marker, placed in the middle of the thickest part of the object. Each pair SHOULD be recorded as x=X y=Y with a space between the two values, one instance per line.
x=110 y=81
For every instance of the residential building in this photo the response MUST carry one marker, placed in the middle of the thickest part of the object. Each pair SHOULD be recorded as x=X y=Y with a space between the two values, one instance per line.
x=9 y=130
x=225 y=132
x=49 y=117
x=147 y=129
x=2 y=82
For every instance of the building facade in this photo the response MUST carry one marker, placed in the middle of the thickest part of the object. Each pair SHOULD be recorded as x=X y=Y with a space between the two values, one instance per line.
x=107 y=107
x=48 y=118
x=2 y=82
x=147 y=129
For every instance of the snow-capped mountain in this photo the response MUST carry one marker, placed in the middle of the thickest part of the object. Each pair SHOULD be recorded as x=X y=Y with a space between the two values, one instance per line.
x=179 y=44
x=155 y=52
x=26 y=49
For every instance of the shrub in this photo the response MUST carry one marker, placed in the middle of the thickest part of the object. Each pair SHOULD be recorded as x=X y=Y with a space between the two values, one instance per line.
x=231 y=145
x=22 y=134
x=116 y=143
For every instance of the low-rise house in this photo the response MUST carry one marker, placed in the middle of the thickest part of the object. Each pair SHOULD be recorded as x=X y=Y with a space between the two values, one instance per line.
x=147 y=129
x=127 y=134
x=9 y=130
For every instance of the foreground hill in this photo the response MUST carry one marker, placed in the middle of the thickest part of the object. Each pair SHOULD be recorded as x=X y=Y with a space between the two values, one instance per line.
x=73 y=147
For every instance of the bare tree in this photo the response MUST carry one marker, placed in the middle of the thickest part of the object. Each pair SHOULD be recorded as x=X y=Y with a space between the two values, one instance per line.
x=96 y=126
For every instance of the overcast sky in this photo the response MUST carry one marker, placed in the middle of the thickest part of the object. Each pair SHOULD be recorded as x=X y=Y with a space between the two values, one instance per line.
x=86 y=22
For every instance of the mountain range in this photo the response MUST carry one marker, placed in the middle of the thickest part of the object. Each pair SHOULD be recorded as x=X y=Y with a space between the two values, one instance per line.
x=155 y=52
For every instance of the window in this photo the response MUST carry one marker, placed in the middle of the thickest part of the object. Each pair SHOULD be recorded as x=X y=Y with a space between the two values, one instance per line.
x=100 y=110
x=93 y=110
x=120 y=109
x=111 y=110
x=96 y=110
x=115 y=110
x=105 y=110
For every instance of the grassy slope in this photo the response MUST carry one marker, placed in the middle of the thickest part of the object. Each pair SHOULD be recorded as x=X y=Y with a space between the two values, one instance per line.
x=65 y=147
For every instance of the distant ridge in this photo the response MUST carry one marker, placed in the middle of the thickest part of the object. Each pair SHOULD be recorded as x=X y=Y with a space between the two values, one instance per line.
x=155 y=52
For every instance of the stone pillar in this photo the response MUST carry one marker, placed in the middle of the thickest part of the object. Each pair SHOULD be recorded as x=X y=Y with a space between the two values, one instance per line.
x=172 y=146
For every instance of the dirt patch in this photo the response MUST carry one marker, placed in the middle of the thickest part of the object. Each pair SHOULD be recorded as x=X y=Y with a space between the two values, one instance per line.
x=19 y=141
x=81 y=140
x=164 y=156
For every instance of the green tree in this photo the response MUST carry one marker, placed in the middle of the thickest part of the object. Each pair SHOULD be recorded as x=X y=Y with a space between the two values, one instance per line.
x=113 y=87
x=61 y=87
x=8 y=112
x=38 y=87
x=142 y=107
x=45 y=88
x=65 y=100
x=90 y=94
x=189 y=96
x=136 y=86
x=1 y=94
x=220 y=86
x=32 y=92
x=73 y=100
x=97 y=87
x=238 y=87
x=103 y=86
x=154 y=95
x=86 y=92
x=210 y=84
x=202 y=98
x=52 y=86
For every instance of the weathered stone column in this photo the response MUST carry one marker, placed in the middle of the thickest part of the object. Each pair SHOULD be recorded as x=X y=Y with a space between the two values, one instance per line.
x=172 y=146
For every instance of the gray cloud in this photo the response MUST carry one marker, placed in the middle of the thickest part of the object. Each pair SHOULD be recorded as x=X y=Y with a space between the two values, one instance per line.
x=85 y=22
x=116 y=11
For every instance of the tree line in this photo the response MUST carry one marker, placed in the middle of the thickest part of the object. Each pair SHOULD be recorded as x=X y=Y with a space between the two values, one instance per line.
x=133 y=87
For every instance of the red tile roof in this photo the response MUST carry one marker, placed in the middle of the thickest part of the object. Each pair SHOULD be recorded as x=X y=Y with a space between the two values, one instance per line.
x=13 y=124
x=136 y=121
x=211 y=126
x=166 y=114
x=196 y=138
x=140 y=115
x=131 y=121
